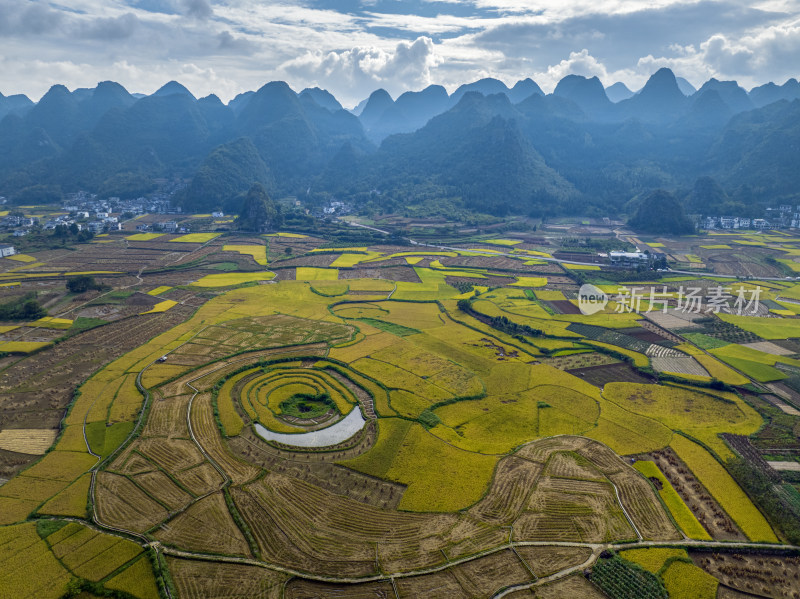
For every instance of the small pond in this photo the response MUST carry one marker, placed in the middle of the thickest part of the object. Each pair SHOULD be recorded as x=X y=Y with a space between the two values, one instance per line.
x=332 y=435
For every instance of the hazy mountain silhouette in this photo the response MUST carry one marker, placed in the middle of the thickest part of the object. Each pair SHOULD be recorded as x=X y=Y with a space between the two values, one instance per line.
x=618 y=92
x=582 y=148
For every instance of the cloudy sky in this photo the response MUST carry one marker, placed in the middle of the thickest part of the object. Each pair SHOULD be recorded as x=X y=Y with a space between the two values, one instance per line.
x=352 y=47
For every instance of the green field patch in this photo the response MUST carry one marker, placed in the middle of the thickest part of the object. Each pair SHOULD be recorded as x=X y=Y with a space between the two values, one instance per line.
x=620 y=578
x=390 y=327
x=307 y=405
x=104 y=439
x=767 y=328
x=704 y=341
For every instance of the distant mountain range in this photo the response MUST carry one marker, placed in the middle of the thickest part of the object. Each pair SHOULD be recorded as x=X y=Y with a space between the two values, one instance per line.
x=487 y=147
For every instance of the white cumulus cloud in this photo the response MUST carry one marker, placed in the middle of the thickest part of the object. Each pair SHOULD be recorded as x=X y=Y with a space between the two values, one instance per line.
x=354 y=73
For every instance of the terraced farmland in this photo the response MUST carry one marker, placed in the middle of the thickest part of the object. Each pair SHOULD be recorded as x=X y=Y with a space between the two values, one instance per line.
x=488 y=437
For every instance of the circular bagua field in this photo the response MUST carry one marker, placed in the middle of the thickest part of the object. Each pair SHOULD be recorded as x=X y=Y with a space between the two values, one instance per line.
x=305 y=406
x=285 y=398
x=439 y=449
x=325 y=468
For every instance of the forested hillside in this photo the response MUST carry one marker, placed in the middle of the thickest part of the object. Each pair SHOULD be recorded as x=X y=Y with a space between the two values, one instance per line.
x=487 y=147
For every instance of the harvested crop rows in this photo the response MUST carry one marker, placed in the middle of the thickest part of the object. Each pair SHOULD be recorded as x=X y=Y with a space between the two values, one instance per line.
x=479 y=429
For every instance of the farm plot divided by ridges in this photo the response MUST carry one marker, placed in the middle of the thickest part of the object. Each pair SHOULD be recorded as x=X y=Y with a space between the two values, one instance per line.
x=468 y=436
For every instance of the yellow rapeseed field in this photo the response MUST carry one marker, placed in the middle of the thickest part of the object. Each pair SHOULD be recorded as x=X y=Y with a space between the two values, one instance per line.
x=530 y=282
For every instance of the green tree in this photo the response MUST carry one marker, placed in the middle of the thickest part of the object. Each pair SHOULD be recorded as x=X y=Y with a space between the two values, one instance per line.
x=81 y=284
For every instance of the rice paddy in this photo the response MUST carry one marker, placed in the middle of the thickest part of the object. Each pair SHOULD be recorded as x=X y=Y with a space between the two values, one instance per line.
x=724 y=489
x=309 y=273
x=257 y=252
x=195 y=238
x=474 y=422
x=144 y=236
x=682 y=515
x=233 y=279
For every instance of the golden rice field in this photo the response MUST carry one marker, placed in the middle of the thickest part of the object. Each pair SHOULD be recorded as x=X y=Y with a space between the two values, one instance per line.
x=683 y=579
x=144 y=236
x=653 y=559
x=506 y=242
x=21 y=258
x=724 y=489
x=682 y=514
x=232 y=279
x=22 y=347
x=161 y=307
x=195 y=238
x=159 y=290
x=258 y=252
x=310 y=273
x=465 y=432
x=288 y=235
x=26 y=440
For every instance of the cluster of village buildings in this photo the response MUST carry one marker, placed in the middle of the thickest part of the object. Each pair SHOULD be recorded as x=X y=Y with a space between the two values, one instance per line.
x=784 y=216
x=89 y=213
